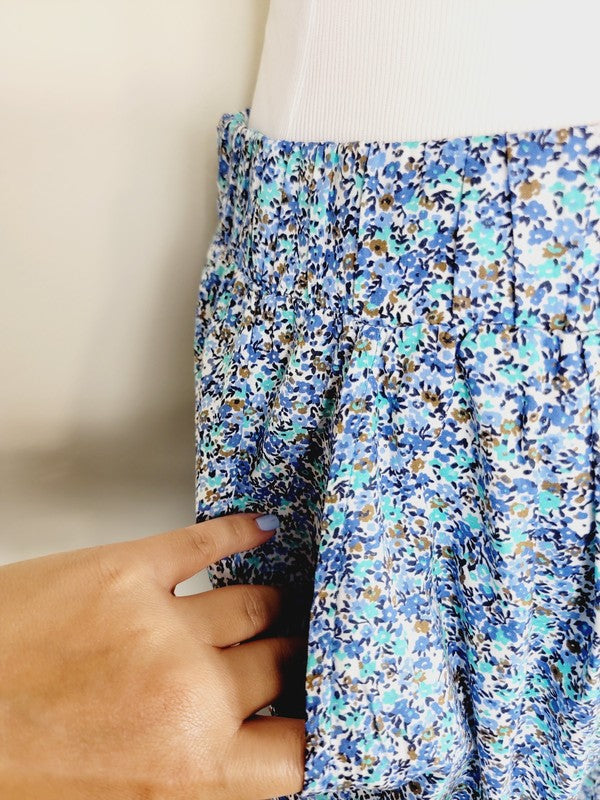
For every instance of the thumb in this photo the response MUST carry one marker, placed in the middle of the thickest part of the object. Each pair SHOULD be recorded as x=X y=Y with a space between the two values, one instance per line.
x=175 y=555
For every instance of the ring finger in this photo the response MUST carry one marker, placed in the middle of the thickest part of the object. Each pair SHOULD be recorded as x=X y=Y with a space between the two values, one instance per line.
x=263 y=669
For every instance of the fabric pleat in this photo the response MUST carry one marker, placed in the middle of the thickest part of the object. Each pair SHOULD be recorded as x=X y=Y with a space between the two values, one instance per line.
x=397 y=350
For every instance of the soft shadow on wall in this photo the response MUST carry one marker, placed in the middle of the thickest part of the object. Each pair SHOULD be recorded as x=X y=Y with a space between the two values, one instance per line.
x=108 y=194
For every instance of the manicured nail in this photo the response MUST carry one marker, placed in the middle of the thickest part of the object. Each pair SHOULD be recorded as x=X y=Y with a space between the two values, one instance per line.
x=267 y=522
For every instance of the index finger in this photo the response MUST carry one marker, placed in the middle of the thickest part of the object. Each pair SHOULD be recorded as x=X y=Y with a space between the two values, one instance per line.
x=175 y=555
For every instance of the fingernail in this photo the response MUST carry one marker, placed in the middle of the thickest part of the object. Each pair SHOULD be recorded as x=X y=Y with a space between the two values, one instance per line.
x=267 y=522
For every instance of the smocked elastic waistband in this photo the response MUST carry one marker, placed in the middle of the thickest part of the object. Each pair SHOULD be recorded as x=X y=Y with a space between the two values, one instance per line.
x=465 y=229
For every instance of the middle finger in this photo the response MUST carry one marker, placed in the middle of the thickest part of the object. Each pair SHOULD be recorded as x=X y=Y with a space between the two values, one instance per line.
x=231 y=614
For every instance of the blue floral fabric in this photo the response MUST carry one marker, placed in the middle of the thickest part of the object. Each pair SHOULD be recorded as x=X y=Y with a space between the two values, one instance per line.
x=397 y=350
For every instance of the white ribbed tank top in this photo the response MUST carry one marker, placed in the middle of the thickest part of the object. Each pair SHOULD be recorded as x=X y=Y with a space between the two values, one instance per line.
x=423 y=69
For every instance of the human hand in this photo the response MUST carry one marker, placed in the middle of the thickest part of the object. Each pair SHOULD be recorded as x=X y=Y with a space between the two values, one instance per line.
x=113 y=687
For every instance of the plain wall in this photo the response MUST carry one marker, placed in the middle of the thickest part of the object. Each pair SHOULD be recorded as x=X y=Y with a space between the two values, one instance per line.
x=108 y=166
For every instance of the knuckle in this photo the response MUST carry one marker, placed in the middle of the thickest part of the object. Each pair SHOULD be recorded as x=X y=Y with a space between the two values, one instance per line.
x=253 y=609
x=150 y=640
x=237 y=526
x=112 y=570
x=204 y=545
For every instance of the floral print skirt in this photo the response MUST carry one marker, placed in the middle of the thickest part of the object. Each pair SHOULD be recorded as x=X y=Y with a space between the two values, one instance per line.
x=397 y=350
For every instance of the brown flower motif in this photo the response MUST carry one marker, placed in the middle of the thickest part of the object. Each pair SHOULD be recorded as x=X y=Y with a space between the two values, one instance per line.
x=561 y=382
x=371 y=593
x=551 y=486
x=313 y=680
x=525 y=545
x=554 y=250
x=349 y=259
x=461 y=301
x=285 y=337
x=417 y=464
x=378 y=246
x=446 y=338
x=429 y=733
x=434 y=316
x=558 y=321
x=431 y=396
x=510 y=426
x=386 y=201
x=529 y=188
x=489 y=272
x=461 y=414
x=364 y=465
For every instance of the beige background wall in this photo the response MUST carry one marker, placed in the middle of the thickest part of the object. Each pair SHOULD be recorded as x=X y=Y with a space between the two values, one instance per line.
x=108 y=168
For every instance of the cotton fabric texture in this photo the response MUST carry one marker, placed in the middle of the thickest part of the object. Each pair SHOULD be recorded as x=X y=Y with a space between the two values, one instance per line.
x=397 y=350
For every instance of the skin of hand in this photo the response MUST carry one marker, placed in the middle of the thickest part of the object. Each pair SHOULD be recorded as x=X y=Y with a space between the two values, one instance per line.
x=113 y=687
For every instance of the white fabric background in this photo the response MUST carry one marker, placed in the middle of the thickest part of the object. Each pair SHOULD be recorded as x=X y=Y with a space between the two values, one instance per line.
x=421 y=69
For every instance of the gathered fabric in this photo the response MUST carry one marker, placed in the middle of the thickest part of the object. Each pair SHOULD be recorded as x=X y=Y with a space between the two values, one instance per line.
x=397 y=351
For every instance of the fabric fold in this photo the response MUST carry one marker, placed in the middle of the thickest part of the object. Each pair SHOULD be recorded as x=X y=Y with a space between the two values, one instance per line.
x=397 y=351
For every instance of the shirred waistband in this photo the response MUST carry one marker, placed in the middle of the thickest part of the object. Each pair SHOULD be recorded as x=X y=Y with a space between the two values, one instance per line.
x=463 y=230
